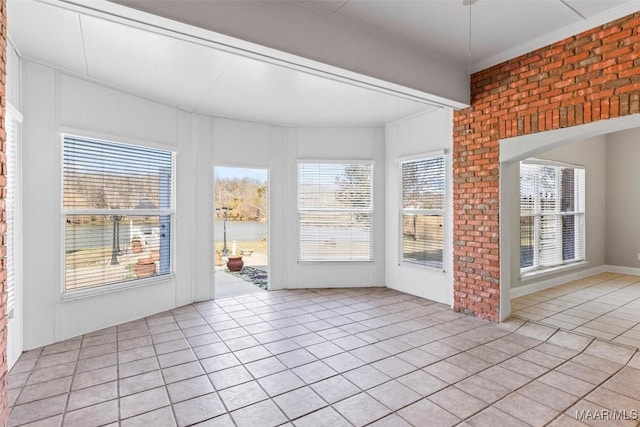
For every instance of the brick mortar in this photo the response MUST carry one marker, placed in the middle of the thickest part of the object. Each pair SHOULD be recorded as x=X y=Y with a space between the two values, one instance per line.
x=592 y=76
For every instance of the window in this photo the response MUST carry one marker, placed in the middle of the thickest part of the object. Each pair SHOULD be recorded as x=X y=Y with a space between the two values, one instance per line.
x=335 y=211
x=118 y=212
x=423 y=187
x=12 y=236
x=552 y=223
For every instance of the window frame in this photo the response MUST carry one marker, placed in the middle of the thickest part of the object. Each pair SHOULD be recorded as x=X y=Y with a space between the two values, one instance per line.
x=13 y=235
x=371 y=211
x=402 y=211
x=536 y=269
x=74 y=294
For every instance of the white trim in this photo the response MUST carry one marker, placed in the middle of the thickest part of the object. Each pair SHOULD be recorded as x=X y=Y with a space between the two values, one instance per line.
x=623 y=270
x=17 y=116
x=550 y=283
x=548 y=271
x=127 y=212
x=521 y=147
x=547 y=162
x=105 y=289
x=335 y=162
x=114 y=138
x=420 y=156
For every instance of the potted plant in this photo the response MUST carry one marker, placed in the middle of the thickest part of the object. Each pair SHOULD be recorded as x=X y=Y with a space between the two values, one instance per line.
x=235 y=263
x=136 y=245
x=145 y=267
x=218 y=258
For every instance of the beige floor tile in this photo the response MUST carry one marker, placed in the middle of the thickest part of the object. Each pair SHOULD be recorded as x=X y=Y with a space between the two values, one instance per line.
x=457 y=402
x=361 y=409
x=188 y=389
x=327 y=417
x=143 y=402
x=199 y=409
x=609 y=351
x=162 y=417
x=394 y=395
x=447 y=372
x=425 y=412
x=526 y=409
x=92 y=395
x=592 y=376
x=524 y=367
x=595 y=333
x=598 y=363
x=299 y=402
x=612 y=400
x=566 y=383
x=96 y=415
x=365 y=338
x=37 y=410
x=540 y=358
x=495 y=418
x=537 y=331
x=422 y=383
x=548 y=396
x=504 y=377
x=482 y=388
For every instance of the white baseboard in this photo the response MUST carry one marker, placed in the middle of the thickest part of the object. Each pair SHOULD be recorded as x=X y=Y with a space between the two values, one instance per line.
x=623 y=270
x=550 y=283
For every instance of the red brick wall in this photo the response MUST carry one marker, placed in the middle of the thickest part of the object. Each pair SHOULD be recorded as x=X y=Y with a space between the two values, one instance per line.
x=4 y=407
x=592 y=76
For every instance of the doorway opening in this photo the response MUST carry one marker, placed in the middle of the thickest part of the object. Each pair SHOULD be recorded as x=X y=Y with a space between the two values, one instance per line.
x=241 y=230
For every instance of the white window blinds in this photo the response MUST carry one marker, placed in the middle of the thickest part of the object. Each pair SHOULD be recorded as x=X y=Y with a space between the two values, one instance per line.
x=11 y=204
x=118 y=206
x=335 y=211
x=552 y=214
x=423 y=199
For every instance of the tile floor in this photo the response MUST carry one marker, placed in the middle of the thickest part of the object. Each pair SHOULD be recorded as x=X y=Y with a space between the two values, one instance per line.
x=348 y=357
x=605 y=305
x=228 y=285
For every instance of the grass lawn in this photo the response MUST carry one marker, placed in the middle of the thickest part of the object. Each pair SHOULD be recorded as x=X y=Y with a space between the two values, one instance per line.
x=257 y=247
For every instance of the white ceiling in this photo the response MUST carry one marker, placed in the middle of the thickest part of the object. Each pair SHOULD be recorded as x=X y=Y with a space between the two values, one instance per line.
x=191 y=76
x=500 y=29
x=180 y=71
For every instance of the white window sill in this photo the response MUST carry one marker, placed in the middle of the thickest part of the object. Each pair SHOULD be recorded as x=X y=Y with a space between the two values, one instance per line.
x=532 y=275
x=107 y=289
x=425 y=268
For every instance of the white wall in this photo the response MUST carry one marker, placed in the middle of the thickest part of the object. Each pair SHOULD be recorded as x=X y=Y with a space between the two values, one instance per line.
x=14 y=78
x=422 y=134
x=244 y=144
x=335 y=144
x=255 y=145
x=623 y=199
x=590 y=153
x=55 y=102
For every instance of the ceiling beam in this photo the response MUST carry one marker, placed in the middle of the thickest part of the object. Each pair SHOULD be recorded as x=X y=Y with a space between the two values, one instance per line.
x=310 y=39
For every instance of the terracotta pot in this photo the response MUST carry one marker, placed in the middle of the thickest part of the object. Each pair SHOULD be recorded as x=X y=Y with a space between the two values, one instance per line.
x=235 y=263
x=145 y=267
x=136 y=246
x=218 y=259
x=155 y=255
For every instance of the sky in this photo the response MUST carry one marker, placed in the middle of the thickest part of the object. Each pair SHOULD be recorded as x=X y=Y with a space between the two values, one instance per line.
x=231 y=173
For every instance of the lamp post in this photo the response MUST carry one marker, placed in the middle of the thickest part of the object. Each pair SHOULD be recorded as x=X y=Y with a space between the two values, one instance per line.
x=224 y=209
x=115 y=250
